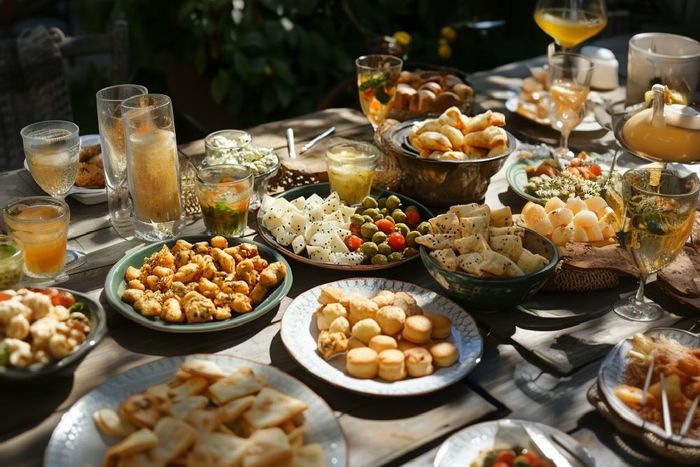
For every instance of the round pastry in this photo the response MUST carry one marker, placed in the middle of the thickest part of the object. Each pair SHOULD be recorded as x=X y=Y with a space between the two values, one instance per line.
x=391 y=365
x=340 y=324
x=355 y=343
x=365 y=329
x=361 y=363
x=417 y=329
x=403 y=345
x=326 y=315
x=330 y=294
x=390 y=319
x=419 y=362
x=407 y=303
x=442 y=326
x=444 y=353
x=383 y=298
x=362 y=308
x=380 y=343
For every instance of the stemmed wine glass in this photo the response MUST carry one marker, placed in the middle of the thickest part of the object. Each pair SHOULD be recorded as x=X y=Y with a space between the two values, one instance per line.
x=569 y=83
x=377 y=79
x=659 y=212
x=570 y=22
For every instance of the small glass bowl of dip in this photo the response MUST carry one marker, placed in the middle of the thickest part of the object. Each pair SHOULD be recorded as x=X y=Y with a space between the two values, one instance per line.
x=11 y=263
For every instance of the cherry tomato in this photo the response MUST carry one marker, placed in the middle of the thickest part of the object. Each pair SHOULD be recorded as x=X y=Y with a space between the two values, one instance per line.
x=396 y=241
x=48 y=291
x=63 y=298
x=532 y=457
x=4 y=296
x=412 y=218
x=353 y=242
x=506 y=456
x=355 y=229
x=385 y=225
x=502 y=464
x=595 y=170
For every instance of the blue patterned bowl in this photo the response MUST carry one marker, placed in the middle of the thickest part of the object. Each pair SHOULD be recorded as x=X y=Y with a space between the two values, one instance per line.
x=496 y=294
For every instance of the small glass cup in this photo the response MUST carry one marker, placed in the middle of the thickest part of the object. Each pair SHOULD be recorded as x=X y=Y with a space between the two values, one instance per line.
x=377 y=80
x=351 y=168
x=222 y=147
x=224 y=193
x=39 y=226
x=11 y=263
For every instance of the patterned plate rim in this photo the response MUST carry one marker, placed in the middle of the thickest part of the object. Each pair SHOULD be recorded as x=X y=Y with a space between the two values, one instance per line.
x=211 y=326
x=320 y=368
x=124 y=381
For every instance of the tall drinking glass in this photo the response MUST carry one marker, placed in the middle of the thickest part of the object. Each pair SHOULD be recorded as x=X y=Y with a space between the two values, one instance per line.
x=52 y=149
x=377 y=80
x=659 y=207
x=569 y=83
x=109 y=117
x=571 y=22
x=153 y=169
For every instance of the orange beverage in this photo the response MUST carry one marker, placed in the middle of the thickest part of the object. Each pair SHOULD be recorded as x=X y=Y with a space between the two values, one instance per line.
x=377 y=80
x=39 y=226
x=570 y=27
x=568 y=100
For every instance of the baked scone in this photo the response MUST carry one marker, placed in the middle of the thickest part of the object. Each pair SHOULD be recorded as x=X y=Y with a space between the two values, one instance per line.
x=390 y=319
x=419 y=362
x=355 y=343
x=403 y=345
x=444 y=353
x=340 y=324
x=362 y=363
x=348 y=298
x=380 y=343
x=362 y=308
x=391 y=365
x=326 y=315
x=383 y=298
x=365 y=329
x=330 y=294
x=407 y=303
x=417 y=329
x=332 y=343
x=442 y=325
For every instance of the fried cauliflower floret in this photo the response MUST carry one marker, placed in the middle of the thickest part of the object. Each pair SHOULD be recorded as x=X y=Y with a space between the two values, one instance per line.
x=222 y=313
x=17 y=327
x=183 y=257
x=10 y=308
x=245 y=271
x=237 y=302
x=39 y=304
x=273 y=274
x=181 y=245
x=162 y=258
x=230 y=285
x=259 y=263
x=190 y=272
x=172 y=312
x=224 y=260
x=132 y=274
x=198 y=308
x=20 y=352
x=219 y=242
x=242 y=251
x=148 y=305
x=257 y=295
x=136 y=284
x=207 y=288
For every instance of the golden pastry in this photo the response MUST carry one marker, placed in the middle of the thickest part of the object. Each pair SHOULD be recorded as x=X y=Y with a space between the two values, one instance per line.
x=444 y=353
x=383 y=298
x=417 y=329
x=355 y=343
x=407 y=303
x=390 y=319
x=442 y=325
x=332 y=343
x=380 y=343
x=330 y=294
x=340 y=324
x=365 y=329
x=326 y=315
x=391 y=365
x=361 y=363
x=403 y=345
x=419 y=362
x=362 y=308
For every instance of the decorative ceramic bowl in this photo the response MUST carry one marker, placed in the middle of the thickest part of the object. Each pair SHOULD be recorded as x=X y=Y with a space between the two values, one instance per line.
x=441 y=182
x=496 y=294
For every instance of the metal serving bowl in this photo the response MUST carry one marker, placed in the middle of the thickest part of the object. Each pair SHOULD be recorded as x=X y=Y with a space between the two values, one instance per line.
x=440 y=182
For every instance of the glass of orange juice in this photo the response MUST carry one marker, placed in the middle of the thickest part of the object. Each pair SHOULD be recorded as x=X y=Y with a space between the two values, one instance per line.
x=39 y=226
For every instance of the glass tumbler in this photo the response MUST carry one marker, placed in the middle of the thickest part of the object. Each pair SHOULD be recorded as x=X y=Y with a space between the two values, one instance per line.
x=224 y=193
x=351 y=168
x=153 y=170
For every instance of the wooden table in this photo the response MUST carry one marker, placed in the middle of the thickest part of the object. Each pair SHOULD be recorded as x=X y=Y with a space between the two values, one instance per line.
x=510 y=381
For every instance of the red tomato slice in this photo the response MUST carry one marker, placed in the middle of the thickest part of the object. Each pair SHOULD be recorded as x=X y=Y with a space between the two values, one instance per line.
x=353 y=242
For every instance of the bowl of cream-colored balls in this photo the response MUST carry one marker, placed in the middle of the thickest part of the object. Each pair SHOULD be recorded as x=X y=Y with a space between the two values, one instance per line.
x=46 y=331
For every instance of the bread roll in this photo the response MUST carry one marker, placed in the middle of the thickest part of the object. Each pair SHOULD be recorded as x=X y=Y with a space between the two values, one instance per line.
x=417 y=329
x=444 y=353
x=391 y=319
x=380 y=343
x=365 y=329
x=419 y=362
x=391 y=365
x=362 y=363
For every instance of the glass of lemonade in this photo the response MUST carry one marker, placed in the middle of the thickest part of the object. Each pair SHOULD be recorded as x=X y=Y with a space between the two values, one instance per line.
x=659 y=212
x=224 y=193
x=570 y=23
x=377 y=79
x=39 y=227
x=153 y=170
x=109 y=117
x=351 y=168
x=52 y=149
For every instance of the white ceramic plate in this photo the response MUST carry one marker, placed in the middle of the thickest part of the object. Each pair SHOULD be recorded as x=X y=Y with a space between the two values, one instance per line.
x=76 y=441
x=464 y=447
x=589 y=123
x=299 y=334
x=612 y=371
x=87 y=196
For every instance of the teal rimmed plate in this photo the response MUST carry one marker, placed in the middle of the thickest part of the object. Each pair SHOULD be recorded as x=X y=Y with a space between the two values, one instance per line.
x=115 y=286
x=323 y=190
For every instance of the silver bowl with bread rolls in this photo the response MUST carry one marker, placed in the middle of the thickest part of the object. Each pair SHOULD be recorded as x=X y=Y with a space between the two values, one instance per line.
x=450 y=159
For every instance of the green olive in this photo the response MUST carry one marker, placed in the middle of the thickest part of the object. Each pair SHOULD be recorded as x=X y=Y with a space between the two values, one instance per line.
x=381 y=203
x=369 y=248
x=409 y=251
x=368 y=229
x=379 y=237
x=403 y=228
x=384 y=249
x=368 y=219
x=371 y=212
x=357 y=219
x=359 y=210
x=411 y=237
x=395 y=256
x=389 y=218
x=398 y=216
x=379 y=259
x=393 y=202
x=384 y=211
x=369 y=202
x=423 y=228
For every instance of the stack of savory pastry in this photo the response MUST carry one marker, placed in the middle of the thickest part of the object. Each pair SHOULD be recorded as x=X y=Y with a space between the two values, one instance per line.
x=455 y=136
x=91 y=168
x=388 y=335
x=481 y=242
x=204 y=416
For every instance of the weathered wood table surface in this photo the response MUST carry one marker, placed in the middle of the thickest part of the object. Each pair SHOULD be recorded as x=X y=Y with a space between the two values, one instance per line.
x=512 y=379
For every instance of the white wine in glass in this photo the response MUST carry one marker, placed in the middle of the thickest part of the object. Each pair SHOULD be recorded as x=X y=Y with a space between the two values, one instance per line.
x=571 y=22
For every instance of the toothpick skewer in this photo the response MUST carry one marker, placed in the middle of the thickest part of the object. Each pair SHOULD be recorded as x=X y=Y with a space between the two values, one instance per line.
x=664 y=406
x=689 y=417
x=647 y=381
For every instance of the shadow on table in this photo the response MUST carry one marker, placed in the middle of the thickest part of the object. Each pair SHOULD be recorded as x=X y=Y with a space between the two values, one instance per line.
x=24 y=405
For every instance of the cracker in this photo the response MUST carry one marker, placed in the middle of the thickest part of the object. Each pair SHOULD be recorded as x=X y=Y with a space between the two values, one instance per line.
x=241 y=383
x=191 y=387
x=136 y=442
x=268 y=447
x=233 y=409
x=182 y=408
x=174 y=436
x=272 y=408
x=204 y=368
x=111 y=424
x=217 y=449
